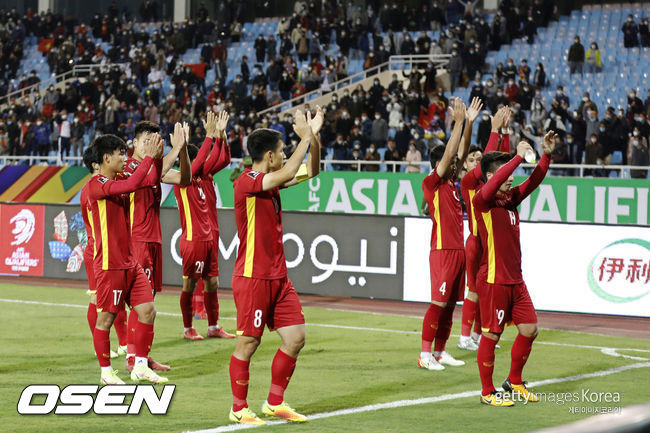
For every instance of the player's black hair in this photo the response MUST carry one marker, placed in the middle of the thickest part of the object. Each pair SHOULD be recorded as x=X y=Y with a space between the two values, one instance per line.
x=474 y=148
x=107 y=144
x=261 y=141
x=436 y=154
x=491 y=162
x=146 y=126
x=89 y=157
x=192 y=151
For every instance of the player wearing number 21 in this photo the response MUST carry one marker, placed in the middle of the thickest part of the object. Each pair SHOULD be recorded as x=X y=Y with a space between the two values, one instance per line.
x=198 y=247
x=503 y=296
x=263 y=293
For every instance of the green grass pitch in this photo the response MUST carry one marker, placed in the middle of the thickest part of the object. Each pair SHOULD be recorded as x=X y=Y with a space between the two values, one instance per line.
x=339 y=368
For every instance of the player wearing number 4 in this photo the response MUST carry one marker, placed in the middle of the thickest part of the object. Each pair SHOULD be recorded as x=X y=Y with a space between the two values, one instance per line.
x=263 y=293
x=502 y=293
x=447 y=256
x=118 y=277
x=198 y=248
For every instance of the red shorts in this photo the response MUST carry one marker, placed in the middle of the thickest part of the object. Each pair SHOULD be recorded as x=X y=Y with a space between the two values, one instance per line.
x=149 y=256
x=447 y=268
x=504 y=303
x=473 y=252
x=265 y=302
x=90 y=272
x=115 y=287
x=199 y=259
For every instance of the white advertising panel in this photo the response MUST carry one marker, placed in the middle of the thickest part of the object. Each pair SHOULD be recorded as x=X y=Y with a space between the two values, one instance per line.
x=567 y=267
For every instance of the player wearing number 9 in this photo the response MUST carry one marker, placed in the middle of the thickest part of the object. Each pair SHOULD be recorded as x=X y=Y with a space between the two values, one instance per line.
x=198 y=247
x=503 y=296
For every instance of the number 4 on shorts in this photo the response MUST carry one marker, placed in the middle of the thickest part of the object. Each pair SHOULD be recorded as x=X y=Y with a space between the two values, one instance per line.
x=443 y=288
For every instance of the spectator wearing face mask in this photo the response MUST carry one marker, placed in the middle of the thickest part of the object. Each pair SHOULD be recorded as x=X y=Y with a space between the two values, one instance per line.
x=511 y=90
x=593 y=59
x=634 y=103
x=538 y=115
x=372 y=155
x=413 y=157
x=392 y=153
x=379 y=132
x=344 y=123
x=593 y=152
x=455 y=69
x=510 y=71
x=555 y=123
x=539 y=78
x=592 y=123
x=637 y=154
x=484 y=129
x=586 y=105
x=644 y=33
x=630 y=31
x=498 y=99
x=576 y=57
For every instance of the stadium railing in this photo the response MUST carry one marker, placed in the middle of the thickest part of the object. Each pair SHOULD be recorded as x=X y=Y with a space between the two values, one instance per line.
x=394 y=63
x=75 y=72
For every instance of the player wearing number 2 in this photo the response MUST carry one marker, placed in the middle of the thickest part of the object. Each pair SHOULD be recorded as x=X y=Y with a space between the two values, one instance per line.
x=447 y=256
x=503 y=296
x=198 y=250
x=263 y=293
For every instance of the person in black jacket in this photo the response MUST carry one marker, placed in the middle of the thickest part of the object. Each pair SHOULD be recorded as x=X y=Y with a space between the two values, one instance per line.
x=576 y=56
x=630 y=33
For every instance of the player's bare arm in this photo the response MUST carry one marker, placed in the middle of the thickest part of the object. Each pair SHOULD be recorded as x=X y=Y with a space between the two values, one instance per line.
x=313 y=159
x=290 y=168
x=497 y=120
x=179 y=150
x=451 y=150
x=470 y=115
x=548 y=145
x=220 y=155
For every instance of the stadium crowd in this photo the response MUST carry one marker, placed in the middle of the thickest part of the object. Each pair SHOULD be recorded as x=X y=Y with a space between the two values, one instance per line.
x=407 y=117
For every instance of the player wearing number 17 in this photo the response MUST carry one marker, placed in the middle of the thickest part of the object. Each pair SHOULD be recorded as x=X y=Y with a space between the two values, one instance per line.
x=119 y=278
x=502 y=293
x=263 y=293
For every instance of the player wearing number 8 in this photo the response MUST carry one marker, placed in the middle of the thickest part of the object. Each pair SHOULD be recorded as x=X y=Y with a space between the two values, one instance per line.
x=263 y=293
x=503 y=296
x=198 y=248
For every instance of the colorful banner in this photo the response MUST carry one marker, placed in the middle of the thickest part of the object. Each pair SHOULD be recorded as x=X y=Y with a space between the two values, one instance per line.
x=558 y=199
x=21 y=241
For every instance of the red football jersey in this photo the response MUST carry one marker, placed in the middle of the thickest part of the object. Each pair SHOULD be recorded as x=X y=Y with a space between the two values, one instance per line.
x=144 y=209
x=473 y=180
x=445 y=211
x=193 y=208
x=498 y=223
x=207 y=183
x=86 y=214
x=109 y=205
x=258 y=215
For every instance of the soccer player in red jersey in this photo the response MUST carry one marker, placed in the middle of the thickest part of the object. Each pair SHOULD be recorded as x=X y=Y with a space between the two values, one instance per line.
x=469 y=185
x=144 y=215
x=447 y=256
x=219 y=158
x=263 y=293
x=89 y=254
x=118 y=277
x=197 y=247
x=503 y=295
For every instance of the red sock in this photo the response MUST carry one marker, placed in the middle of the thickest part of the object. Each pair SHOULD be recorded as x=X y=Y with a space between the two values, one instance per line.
x=91 y=315
x=477 y=320
x=469 y=312
x=120 y=328
x=211 y=307
x=444 y=327
x=239 y=382
x=519 y=355
x=198 y=298
x=186 y=308
x=143 y=339
x=281 y=371
x=102 y=343
x=430 y=326
x=130 y=335
x=485 y=359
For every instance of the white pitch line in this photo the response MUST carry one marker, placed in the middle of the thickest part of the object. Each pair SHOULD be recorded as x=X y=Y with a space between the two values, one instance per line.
x=604 y=349
x=427 y=400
